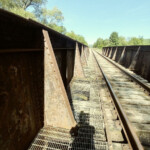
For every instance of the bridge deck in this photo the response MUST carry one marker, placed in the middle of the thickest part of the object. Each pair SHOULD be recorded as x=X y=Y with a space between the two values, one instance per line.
x=93 y=126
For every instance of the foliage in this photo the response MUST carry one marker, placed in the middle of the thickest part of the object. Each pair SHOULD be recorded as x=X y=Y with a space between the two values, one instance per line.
x=77 y=37
x=136 y=41
x=106 y=42
x=60 y=29
x=146 y=41
x=23 y=13
x=51 y=18
x=122 y=41
x=114 y=39
x=34 y=3
x=24 y=4
x=7 y=4
x=101 y=43
x=16 y=7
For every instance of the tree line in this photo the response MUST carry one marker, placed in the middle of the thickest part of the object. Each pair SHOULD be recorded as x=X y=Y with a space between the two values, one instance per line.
x=52 y=18
x=116 y=40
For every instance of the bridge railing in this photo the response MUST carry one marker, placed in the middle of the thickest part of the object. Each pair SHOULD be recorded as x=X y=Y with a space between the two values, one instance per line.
x=135 y=58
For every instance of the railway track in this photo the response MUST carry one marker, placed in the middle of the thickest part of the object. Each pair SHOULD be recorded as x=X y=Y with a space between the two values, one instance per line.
x=132 y=101
x=98 y=128
x=55 y=94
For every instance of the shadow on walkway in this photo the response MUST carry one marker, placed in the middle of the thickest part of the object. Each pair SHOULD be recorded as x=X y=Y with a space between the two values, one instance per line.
x=83 y=133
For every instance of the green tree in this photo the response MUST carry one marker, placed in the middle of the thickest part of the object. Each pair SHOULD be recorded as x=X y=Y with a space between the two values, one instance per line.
x=99 y=43
x=122 y=41
x=7 y=4
x=51 y=18
x=79 y=38
x=146 y=41
x=72 y=35
x=106 y=43
x=23 y=13
x=136 y=41
x=60 y=29
x=24 y=4
x=114 y=39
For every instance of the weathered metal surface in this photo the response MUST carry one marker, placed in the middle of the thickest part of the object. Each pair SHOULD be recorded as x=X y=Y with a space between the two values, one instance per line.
x=22 y=77
x=78 y=69
x=19 y=50
x=122 y=56
x=107 y=51
x=86 y=104
x=119 y=81
x=110 y=53
x=70 y=65
x=134 y=60
x=57 y=110
x=140 y=65
x=62 y=64
x=52 y=138
x=83 y=58
x=118 y=53
x=134 y=78
x=27 y=33
x=27 y=37
x=21 y=99
x=114 y=56
x=86 y=51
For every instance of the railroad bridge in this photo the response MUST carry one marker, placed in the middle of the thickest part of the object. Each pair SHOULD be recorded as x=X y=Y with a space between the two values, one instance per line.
x=58 y=94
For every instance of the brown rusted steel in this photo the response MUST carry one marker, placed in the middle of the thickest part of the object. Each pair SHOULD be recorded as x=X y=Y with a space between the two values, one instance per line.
x=141 y=64
x=104 y=51
x=110 y=53
x=21 y=98
x=29 y=50
x=133 y=63
x=115 y=53
x=57 y=110
x=22 y=76
x=19 y=50
x=64 y=48
x=107 y=51
x=83 y=58
x=131 y=135
x=147 y=88
x=78 y=70
x=122 y=56
x=85 y=54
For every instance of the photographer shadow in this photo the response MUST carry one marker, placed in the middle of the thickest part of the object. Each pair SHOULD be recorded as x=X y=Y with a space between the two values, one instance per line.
x=83 y=133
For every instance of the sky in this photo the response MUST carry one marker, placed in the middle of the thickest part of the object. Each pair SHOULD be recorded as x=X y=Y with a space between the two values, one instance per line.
x=99 y=18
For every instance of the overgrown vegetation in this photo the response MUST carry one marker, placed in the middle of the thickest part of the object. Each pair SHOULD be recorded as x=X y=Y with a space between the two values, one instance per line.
x=116 y=40
x=52 y=18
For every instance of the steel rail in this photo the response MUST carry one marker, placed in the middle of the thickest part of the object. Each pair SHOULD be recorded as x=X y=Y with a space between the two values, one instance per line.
x=131 y=135
x=147 y=88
